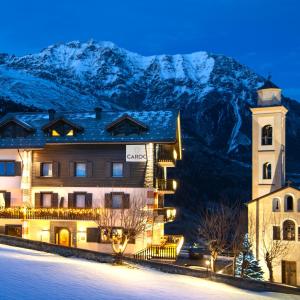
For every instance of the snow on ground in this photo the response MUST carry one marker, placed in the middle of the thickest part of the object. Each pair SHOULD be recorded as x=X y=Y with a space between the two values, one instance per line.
x=28 y=274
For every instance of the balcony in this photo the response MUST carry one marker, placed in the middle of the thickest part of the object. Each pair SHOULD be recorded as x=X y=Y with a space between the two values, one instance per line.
x=82 y=214
x=167 y=158
x=166 y=186
x=165 y=214
x=169 y=248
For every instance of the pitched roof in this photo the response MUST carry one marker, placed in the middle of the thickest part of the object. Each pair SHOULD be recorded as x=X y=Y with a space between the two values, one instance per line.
x=268 y=85
x=123 y=118
x=162 y=126
x=9 y=118
x=61 y=119
x=272 y=193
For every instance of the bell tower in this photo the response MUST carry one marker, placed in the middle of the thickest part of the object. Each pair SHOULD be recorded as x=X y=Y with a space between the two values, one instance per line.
x=268 y=141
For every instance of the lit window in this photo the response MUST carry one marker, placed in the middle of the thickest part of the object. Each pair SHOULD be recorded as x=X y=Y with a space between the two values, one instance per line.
x=80 y=200
x=117 y=200
x=267 y=171
x=47 y=170
x=54 y=133
x=2 y=199
x=70 y=133
x=46 y=199
x=80 y=170
x=117 y=170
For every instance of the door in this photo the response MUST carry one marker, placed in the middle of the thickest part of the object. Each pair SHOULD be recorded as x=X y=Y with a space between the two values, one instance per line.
x=63 y=237
x=289 y=272
x=13 y=230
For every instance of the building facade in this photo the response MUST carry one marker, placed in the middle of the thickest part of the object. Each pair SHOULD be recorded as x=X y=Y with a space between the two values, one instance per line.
x=58 y=170
x=274 y=211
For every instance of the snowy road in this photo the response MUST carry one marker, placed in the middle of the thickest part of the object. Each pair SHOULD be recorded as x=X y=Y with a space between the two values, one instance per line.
x=27 y=274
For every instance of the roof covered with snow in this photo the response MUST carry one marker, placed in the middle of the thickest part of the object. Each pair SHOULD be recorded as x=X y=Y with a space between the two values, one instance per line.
x=161 y=127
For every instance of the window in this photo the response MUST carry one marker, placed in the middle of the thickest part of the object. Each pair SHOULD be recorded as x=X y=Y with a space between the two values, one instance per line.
x=299 y=234
x=276 y=204
x=266 y=135
x=80 y=169
x=54 y=133
x=7 y=168
x=46 y=199
x=92 y=235
x=80 y=200
x=117 y=169
x=267 y=171
x=70 y=133
x=117 y=200
x=289 y=230
x=276 y=233
x=47 y=169
x=298 y=205
x=2 y=199
x=289 y=203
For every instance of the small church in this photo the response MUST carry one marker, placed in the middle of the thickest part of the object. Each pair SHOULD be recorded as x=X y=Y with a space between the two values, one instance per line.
x=274 y=211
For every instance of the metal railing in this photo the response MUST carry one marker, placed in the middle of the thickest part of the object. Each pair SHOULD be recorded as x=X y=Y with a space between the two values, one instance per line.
x=166 y=156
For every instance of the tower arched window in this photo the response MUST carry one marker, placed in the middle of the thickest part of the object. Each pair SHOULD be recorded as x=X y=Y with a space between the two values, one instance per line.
x=276 y=204
x=267 y=135
x=267 y=170
x=289 y=230
x=289 y=203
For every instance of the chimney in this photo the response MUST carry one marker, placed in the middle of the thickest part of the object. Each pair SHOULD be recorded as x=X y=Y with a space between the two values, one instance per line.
x=51 y=113
x=98 y=111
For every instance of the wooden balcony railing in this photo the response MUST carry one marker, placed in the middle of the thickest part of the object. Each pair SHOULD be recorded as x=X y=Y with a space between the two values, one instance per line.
x=86 y=214
x=165 y=214
x=166 y=186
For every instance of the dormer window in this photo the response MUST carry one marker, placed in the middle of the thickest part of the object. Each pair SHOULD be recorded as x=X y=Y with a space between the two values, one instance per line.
x=62 y=128
x=125 y=126
x=14 y=128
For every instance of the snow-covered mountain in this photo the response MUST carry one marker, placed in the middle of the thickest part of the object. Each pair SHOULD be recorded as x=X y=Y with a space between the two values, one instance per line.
x=212 y=91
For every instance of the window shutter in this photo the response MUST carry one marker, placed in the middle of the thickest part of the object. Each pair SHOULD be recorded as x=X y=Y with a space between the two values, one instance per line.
x=61 y=202
x=72 y=168
x=126 y=201
x=7 y=199
x=93 y=235
x=37 y=200
x=37 y=169
x=276 y=233
x=71 y=200
x=18 y=168
x=89 y=169
x=108 y=169
x=55 y=169
x=108 y=201
x=126 y=169
x=54 y=200
x=89 y=200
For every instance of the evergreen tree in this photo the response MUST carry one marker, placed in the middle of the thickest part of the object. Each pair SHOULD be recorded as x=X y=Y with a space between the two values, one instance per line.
x=246 y=265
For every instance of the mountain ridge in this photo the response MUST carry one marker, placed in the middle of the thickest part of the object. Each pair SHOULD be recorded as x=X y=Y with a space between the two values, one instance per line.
x=213 y=92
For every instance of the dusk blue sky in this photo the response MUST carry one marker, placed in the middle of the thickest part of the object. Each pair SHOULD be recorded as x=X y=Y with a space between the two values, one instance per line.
x=263 y=34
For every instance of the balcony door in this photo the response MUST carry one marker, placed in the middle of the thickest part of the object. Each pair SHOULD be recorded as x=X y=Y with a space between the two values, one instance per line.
x=289 y=272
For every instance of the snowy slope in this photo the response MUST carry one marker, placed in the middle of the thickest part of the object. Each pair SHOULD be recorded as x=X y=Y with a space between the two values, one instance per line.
x=31 y=275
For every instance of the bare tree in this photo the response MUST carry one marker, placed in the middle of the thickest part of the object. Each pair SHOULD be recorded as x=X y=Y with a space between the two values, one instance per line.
x=119 y=226
x=216 y=227
x=273 y=250
x=238 y=234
